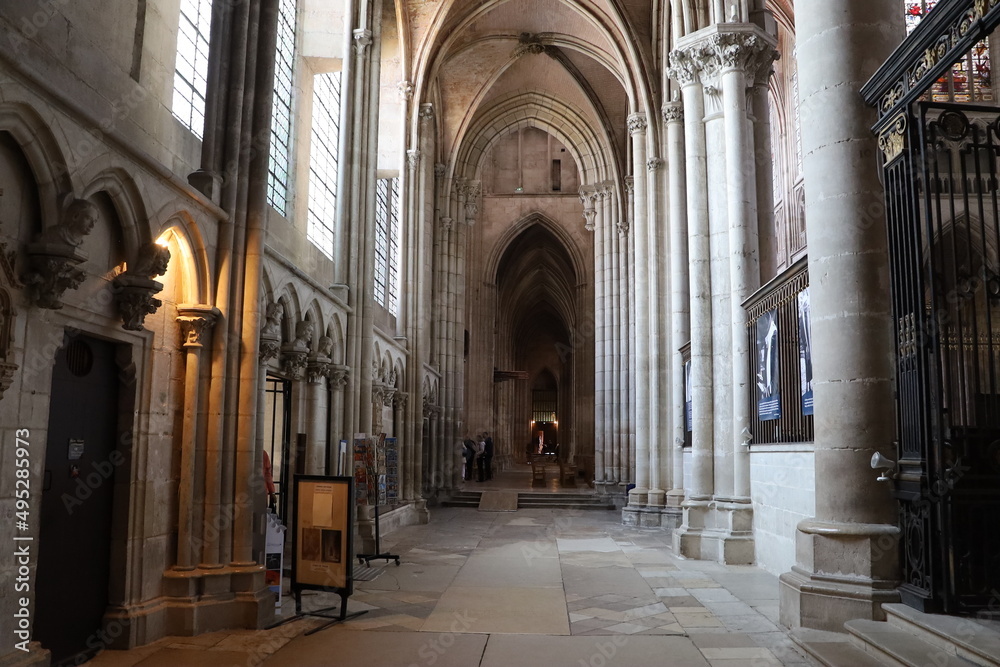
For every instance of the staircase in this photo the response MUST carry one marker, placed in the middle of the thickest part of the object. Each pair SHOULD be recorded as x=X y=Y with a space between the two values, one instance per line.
x=907 y=637
x=570 y=501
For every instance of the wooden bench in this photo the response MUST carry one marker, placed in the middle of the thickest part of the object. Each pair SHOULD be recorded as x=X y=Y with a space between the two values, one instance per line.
x=567 y=474
x=537 y=473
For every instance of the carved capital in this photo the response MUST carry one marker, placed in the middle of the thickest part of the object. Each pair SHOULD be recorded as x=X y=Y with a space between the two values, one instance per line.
x=399 y=399
x=339 y=375
x=440 y=169
x=318 y=368
x=362 y=40
x=673 y=112
x=413 y=158
x=743 y=51
x=629 y=185
x=589 y=216
x=446 y=223
x=636 y=123
x=54 y=256
x=623 y=227
x=654 y=163
x=470 y=191
x=405 y=89
x=685 y=66
x=195 y=325
x=294 y=361
x=426 y=111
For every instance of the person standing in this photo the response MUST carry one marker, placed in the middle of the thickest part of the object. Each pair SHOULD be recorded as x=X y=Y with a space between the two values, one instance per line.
x=480 y=458
x=468 y=453
x=489 y=455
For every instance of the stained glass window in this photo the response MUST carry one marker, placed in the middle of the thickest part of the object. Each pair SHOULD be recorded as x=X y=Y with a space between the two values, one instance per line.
x=191 y=66
x=387 y=243
x=323 y=161
x=970 y=79
x=281 y=109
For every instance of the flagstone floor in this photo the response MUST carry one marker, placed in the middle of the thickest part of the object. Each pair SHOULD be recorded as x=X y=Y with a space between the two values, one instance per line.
x=541 y=587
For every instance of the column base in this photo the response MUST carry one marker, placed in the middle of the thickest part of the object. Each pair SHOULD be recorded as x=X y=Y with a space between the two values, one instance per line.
x=716 y=530
x=195 y=602
x=844 y=571
x=675 y=498
x=668 y=518
x=656 y=498
x=638 y=497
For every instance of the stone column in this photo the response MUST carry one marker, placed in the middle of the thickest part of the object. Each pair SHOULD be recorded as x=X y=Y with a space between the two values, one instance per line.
x=657 y=393
x=594 y=222
x=627 y=255
x=846 y=556
x=338 y=380
x=673 y=118
x=195 y=323
x=318 y=369
x=685 y=68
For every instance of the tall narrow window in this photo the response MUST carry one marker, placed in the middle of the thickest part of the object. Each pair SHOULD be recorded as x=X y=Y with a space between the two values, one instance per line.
x=191 y=66
x=323 y=161
x=387 y=243
x=281 y=109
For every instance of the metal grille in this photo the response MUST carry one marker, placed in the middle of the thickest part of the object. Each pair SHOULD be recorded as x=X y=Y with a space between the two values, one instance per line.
x=781 y=297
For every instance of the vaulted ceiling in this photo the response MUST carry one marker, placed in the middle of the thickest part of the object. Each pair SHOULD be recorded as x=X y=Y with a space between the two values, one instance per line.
x=587 y=61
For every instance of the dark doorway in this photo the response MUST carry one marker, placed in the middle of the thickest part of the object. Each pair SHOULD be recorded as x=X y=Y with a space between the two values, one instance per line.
x=81 y=461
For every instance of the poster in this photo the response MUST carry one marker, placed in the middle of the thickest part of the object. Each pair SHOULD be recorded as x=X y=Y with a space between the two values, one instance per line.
x=768 y=397
x=364 y=469
x=688 y=417
x=391 y=471
x=323 y=524
x=805 y=353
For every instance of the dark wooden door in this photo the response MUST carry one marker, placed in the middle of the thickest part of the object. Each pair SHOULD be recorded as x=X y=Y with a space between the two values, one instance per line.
x=81 y=461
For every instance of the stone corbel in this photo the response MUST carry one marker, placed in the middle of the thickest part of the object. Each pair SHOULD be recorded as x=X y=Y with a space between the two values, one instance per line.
x=54 y=256
x=296 y=353
x=440 y=169
x=654 y=163
x=388 y=393
x=135 y=288
x=426 y=112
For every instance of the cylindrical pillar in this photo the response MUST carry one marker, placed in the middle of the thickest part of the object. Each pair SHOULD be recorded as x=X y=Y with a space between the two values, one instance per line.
x=843 y=570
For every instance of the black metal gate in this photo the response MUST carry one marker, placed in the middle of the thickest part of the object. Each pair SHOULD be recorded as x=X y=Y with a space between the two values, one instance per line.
x=941 y=164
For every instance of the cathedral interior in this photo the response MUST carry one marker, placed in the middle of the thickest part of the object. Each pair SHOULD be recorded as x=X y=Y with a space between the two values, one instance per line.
x=731 y=266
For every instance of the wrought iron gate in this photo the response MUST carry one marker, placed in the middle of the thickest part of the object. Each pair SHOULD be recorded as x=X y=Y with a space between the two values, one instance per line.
x=941 y=170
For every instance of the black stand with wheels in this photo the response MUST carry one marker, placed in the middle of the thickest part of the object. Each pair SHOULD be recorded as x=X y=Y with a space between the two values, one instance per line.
x=368 y=558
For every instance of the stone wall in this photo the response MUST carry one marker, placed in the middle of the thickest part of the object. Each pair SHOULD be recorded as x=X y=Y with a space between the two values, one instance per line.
x=782 y=480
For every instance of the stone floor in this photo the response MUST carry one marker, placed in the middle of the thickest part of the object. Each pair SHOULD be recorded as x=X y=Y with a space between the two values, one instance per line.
x=514 y=589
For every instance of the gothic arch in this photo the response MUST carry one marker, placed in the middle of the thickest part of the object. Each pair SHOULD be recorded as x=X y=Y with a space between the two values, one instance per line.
x=503 y=243
x=41 y=150
x=119 y=186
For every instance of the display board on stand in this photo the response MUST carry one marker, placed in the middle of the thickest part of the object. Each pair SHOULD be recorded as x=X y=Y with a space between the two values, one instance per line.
x=376 y=476
x=322 y=543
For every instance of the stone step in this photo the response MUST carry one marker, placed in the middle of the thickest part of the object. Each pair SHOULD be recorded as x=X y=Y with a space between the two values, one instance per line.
x=894 y=646
x=958 y=635
x=832 y=649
